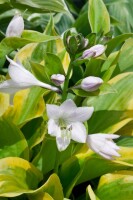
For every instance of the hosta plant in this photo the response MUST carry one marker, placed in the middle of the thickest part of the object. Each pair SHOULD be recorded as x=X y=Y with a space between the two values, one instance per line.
x=66 y=107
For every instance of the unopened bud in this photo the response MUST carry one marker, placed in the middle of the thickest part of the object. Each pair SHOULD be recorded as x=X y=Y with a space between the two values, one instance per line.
x=15 y=27
x=91 y=83
x=94 y=51
x=58 y=79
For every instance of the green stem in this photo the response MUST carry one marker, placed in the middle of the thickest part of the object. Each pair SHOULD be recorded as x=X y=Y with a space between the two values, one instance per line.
x=66 y=83
x=57 y=161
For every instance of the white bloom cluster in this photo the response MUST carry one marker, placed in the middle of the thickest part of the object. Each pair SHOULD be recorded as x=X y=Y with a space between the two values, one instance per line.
x=66 y=123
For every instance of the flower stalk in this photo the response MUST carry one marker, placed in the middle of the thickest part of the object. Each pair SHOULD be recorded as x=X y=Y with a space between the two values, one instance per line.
x=66 y=82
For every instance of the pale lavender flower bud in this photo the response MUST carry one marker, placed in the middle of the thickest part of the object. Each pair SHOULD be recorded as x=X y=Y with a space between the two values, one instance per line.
x=94 y=51
x=58 y=79
x=91 y=83
x=15 y=27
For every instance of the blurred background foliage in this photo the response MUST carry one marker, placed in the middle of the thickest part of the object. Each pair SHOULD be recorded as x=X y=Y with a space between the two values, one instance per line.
x=66 y=14
x=37 y=14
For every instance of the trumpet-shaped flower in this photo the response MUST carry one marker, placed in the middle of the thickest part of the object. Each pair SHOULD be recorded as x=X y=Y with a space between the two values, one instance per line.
x=21 y=79
x=103 y=145
x=66 y=123
x=15 y=27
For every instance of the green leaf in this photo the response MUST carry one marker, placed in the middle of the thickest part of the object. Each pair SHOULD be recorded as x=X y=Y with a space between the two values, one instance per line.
x=118 y=185
x=53 y=46
x=28 y=104
x=35 y=36
x=7 y=45
x=4 y=1
x=91 y=193
x=82 y=24
x=40 y=196
x=122 y=12
x=126 y=56
x=116 y=109
x=41 y=72
x=42 y=160
x=105 y=88
x=52 y=186
x=17 y=176
x=126 y=141
x=109 y=66
x=12 y=141
x=126 y=130
x=53 y=64
x=82 y=93
x=34 y=131
x=116 y=42
x=63 y=22
x=46 y=164
x=87 y=165
x=95 y=70
x=98 y=17
x=108 y=2
x=4 y=103
x=111 y=60
x=92 y=39
x=69 y=174
x=43 y=6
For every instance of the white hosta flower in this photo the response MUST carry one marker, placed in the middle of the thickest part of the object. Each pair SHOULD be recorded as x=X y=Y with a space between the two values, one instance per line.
x=58 y=79
x=103 y=145
x=94 y=51
x=66 y=123
x=21 y=79
x=15 y=27
x=91 y=83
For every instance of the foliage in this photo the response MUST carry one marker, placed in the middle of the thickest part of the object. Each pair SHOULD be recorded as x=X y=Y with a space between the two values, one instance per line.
x=53 y=42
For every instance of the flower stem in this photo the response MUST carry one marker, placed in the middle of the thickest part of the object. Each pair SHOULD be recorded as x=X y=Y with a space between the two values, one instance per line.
x=66 y=83
x=57 y=161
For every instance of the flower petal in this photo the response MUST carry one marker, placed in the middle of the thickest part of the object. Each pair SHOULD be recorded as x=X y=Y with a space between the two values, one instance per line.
x=78 y=132
x=15 y=27
x=103 y=145
x=81 y=114
x=92 y=143
x=104 y=155
x=68 y=105
x=10 y=87
x=53 y=111
x=19 y=74
x=113 y=145
x=22 y=76
x=110 y=136
x=110 y=151
x=53 y=128
x=67 y=108
x=62 y=143
x=94 y=51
